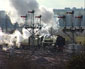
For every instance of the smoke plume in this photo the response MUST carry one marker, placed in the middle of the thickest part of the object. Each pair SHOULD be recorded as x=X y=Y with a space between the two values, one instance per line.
x=23 y=6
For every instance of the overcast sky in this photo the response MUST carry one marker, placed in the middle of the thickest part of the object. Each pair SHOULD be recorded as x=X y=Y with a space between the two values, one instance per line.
x=62 y=3
x=5 y=4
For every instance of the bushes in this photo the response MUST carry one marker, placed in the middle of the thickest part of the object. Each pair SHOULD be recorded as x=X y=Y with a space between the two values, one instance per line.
x=77 y=62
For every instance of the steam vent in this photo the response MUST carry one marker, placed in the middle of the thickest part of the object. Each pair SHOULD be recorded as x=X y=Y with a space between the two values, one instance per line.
x=36 y=37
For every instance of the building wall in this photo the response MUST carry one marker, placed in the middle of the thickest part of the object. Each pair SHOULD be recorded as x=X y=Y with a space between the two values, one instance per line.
x=69 y=18
x=6 y=24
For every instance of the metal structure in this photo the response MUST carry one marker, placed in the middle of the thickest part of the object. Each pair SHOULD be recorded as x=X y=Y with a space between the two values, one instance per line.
x=72 y=29
x=32 y=26
x=39 y=17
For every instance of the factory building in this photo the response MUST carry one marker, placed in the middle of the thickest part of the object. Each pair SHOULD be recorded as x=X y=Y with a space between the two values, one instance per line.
x=6 y=24
x=69 y=18
x=71 y=23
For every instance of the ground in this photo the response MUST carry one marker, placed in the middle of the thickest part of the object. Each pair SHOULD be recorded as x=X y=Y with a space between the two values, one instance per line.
x=37 y=59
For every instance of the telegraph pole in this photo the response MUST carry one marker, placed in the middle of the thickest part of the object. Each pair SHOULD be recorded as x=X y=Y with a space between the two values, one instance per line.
x=33 y=27
x=73 y=30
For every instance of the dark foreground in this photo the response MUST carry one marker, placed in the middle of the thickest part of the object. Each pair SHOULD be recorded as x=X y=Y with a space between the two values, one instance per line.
x=39 y=59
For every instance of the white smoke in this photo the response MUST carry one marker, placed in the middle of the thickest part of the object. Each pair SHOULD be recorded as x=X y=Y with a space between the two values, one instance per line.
x=14 y=39
x=17 y=38
x=23 y=6
x=26 y=33
x=1 y=36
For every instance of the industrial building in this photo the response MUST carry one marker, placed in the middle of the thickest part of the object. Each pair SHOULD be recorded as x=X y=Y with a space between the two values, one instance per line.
x=6 y=24
x=71 y=23
x=68 y=20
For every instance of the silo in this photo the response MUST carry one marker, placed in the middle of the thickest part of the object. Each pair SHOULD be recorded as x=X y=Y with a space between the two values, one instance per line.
x=83 y=22
x=69 y=20
x=62 y=21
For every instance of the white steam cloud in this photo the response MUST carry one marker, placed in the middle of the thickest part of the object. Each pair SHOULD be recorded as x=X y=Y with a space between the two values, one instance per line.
x=23 y=6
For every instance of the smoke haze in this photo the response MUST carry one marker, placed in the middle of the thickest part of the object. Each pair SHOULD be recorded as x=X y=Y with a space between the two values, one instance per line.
x=23 y=6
